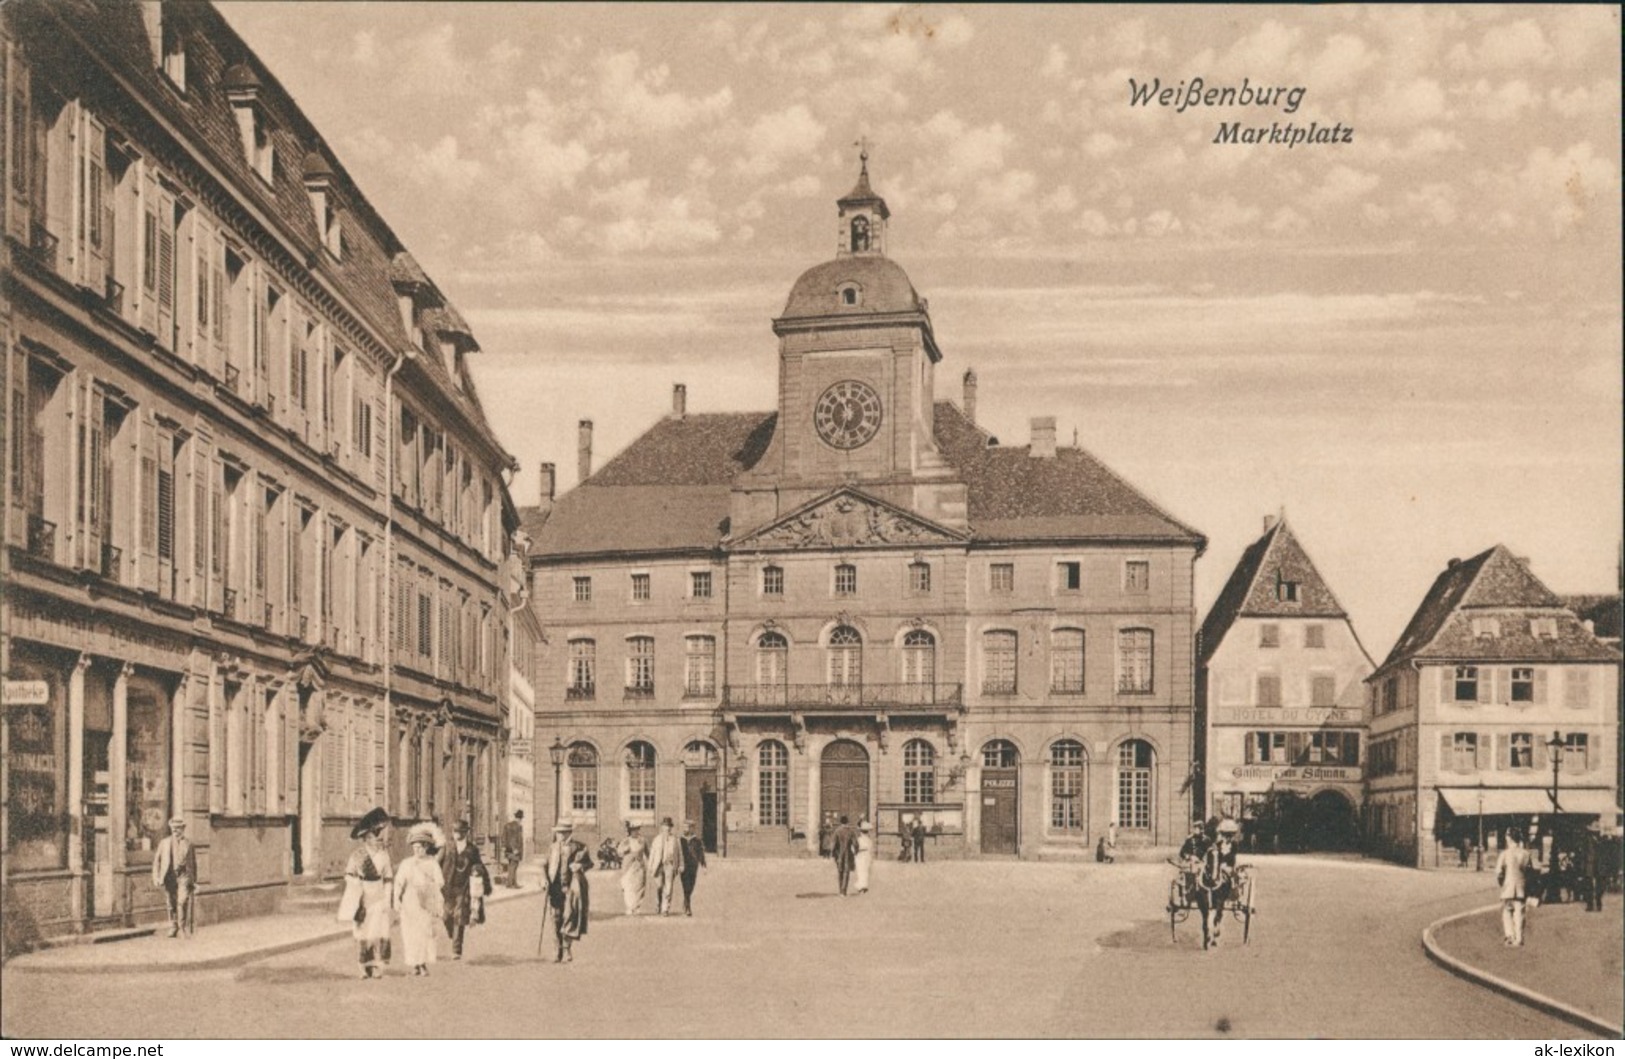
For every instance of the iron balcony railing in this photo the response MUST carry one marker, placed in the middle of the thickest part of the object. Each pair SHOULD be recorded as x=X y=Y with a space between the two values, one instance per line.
x=843 y=696
x=578 y=692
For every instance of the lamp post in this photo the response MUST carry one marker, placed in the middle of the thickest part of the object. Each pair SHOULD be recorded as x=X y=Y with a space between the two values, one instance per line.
x=1480 y=824
x=555 y=754
x=1554 y=750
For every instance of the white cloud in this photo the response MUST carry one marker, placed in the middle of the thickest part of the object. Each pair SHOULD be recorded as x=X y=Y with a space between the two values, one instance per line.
x=1054 y=62
x=637 y=96
x=443 y=166
x=1342 y=186
x=778 y=137
x=648 y=222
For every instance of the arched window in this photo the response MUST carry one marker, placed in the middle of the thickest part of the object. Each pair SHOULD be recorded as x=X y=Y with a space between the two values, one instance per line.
x=1134 y=660
x=583 y=670
x=640 y=779
x=700 y=667
x=1000 y=754
x=999 y=662
x=640 y=667
x=1066 y=786
x=919 y=772
x=919 y=658
x=849 y=294
x=845 y=657
x=772 y=666
x=1135 y=759
x=772 y=784
x=1066 y=661
x=582 y=762
x=860 y=234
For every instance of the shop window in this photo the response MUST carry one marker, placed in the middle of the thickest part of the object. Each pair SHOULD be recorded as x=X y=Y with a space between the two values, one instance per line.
x=36 y=770
x=147 y=777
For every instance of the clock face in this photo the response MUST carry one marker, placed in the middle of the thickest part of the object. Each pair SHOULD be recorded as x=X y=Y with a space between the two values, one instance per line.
x=847 y=415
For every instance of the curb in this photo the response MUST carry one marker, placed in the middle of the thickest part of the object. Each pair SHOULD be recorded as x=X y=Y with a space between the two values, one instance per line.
x=242 y=957
x=1539 y=1001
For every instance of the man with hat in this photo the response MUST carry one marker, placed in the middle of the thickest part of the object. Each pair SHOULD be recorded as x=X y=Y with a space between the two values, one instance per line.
x=693 y=861
x=1592 y=866
x=564 y=876
x=174 y=869
x=666 y=861
x=460 y=861
x=513 y=848
x=368 y=903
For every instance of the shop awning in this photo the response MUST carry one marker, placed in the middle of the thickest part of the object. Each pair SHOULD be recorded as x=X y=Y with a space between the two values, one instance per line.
x=1500 y=801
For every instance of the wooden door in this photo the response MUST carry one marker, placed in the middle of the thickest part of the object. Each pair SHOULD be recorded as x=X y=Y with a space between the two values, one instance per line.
x=700 y=804
x=999 y=828
x=844 y=781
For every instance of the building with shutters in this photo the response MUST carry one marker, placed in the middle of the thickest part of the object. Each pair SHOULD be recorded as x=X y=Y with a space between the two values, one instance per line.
x=860 y=603
x=1497 y=706
x=1281 y=693
x=208 y=336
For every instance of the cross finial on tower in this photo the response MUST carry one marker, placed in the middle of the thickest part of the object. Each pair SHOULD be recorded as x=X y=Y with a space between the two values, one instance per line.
x=862 y=143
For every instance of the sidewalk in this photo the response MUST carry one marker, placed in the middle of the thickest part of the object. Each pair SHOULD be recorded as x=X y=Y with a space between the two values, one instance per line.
x=227 y=944
x=1568 y=955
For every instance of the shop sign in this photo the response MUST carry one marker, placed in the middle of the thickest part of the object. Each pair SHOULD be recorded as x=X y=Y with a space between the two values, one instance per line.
x=1302 y=773
x=1272 y=715
x=1002 y=783
x=26 y=693
x=520 y=747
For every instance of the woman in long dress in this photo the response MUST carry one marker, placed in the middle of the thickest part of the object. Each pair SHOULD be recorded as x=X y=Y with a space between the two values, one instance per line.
x=866 y=856
x=368 y=904
x=418 y=893
x=634 y=869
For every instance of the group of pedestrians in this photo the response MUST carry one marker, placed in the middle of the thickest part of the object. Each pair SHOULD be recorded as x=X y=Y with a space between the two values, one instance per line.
x=432 y=891
x=853 y=851
x=1519 y=873
x=669 y=860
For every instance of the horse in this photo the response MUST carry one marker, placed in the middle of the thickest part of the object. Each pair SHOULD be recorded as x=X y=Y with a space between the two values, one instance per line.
x=1215 y=885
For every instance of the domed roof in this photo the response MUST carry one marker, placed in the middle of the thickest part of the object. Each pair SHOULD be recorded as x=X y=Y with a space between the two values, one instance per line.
x=882 y=287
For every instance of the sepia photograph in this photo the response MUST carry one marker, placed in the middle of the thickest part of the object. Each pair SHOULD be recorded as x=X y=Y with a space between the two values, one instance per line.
x=810 y=521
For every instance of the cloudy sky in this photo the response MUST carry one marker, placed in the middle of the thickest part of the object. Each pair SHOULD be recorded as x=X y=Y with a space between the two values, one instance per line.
x=1411 y=342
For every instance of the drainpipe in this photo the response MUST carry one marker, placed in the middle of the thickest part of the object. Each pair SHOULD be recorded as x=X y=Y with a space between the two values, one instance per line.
x=387 y=626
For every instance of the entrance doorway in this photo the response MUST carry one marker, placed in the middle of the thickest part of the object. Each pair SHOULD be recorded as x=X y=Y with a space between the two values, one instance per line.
x=306 y=819
x=1000 y=797
x=1330 y=823
x=98 y=837
x=843 y=783
x=700 y=760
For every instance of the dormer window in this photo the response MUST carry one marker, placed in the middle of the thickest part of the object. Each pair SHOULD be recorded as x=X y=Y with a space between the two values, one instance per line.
x=318 y=178
x=1543 y=628
x=849 y=294
x=1486 y=628
x=174 y=55
x=1285 y=591
x=243 y=91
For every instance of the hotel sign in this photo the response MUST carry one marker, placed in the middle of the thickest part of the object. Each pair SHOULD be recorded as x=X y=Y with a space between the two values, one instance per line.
x=1275 y=715
x=1301 y=773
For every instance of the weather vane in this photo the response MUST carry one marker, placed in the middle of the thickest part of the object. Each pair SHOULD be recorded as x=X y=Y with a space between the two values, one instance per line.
x=862 y=143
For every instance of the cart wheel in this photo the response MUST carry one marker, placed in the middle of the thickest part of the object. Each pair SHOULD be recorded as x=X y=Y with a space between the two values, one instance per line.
x=1246 y=911
x=1176 y=904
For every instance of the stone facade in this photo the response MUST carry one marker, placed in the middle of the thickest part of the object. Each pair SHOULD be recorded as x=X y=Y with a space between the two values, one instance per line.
x=208 y=335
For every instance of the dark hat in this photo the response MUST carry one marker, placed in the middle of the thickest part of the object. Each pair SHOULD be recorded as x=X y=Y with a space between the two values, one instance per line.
x=666 y=822
x=375 y=819
x=460 y=827
x=518 y=814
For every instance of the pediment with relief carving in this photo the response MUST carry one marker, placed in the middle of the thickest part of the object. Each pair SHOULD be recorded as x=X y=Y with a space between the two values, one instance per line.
x=848 y=519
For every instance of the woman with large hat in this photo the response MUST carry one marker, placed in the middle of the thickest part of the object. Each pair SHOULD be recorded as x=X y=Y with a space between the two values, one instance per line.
x=419 y=891
x=368 y=903
x=634 y=869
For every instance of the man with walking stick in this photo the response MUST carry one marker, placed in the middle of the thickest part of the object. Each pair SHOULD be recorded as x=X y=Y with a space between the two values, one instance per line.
x=564 y=876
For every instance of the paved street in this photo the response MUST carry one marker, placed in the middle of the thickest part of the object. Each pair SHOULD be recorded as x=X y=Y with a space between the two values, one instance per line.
x=960 y=949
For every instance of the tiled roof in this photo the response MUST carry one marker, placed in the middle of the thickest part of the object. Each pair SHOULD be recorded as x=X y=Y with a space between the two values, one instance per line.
x=1493 y=584
x=1252 y=590
x=114 y=31
x=405 y=270
x=885 y=287
x=678 y=473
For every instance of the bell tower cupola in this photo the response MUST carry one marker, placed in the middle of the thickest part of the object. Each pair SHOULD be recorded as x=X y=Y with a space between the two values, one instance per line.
x=862 y=216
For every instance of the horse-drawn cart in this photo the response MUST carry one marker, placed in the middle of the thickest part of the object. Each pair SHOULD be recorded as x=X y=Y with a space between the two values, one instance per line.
x=1206 y=887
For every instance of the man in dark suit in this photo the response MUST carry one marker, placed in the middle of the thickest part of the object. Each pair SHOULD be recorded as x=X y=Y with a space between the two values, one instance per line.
x=693 y=861
x=916 y=839
x=174 y=868
x=513 y=848
x=564 y=877
x=460 y=862
x=843 y=849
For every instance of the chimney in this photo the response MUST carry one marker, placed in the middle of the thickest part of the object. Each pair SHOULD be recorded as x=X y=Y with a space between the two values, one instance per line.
x=679 y=401
x=550 y=476
x=583 y=450
x=1043 y=446
x=1269 y=523
x=970 y=395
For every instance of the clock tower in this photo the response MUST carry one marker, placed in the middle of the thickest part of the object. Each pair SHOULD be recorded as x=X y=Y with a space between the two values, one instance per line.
x=857 y=360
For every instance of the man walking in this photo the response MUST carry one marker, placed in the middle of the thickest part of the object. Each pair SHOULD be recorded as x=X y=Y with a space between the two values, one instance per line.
x=666 y=859
x=916 y=838
x=174 y=869
x=693 y=861
x=460 y=861
x=564 y=877
x=1512 y=871
x=843 y=849
x=513 y=848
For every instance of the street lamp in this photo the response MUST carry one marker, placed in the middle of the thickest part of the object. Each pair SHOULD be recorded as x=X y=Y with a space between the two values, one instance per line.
x=555 y=754
x=1554 y=750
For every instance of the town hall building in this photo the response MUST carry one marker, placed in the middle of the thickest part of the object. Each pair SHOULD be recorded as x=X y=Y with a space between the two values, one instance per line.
x=861 y=604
